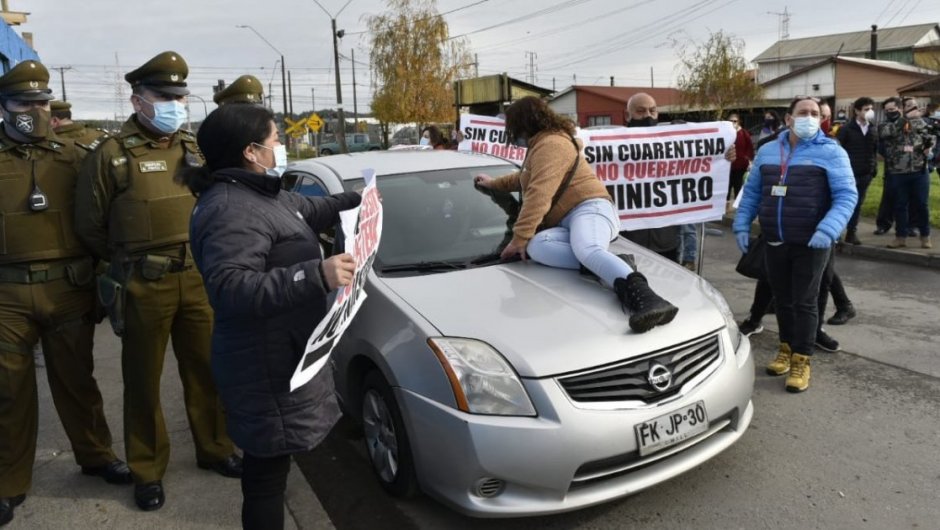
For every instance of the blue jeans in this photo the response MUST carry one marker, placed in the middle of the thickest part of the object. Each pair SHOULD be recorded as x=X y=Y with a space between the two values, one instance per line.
x=688 y=235
x=582 y=238
x=911 y=190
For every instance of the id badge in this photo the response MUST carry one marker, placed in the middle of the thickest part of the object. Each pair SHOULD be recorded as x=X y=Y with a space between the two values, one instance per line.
x=778 y=191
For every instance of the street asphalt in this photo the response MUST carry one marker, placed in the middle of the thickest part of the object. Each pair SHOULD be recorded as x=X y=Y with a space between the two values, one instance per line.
x=63 y=498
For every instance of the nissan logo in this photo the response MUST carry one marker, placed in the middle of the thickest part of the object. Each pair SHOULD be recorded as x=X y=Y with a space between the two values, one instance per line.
x=659 y=376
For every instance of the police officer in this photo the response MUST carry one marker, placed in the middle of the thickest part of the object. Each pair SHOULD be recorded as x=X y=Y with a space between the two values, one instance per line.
x=85 y=137
x=131 y=212
x=46 y=289
x=245 y=89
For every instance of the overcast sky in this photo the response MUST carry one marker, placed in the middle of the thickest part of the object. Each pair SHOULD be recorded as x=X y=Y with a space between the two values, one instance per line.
x=583 y=40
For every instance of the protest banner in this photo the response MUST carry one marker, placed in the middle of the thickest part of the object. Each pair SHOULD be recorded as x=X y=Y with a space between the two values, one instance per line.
x=365 y=225
x=665 y=175
x=486 y=134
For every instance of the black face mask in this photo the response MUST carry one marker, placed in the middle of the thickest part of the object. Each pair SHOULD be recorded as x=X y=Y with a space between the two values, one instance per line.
x=892 y=115
x=648 y=121
x=770 y=123
x=33 y=124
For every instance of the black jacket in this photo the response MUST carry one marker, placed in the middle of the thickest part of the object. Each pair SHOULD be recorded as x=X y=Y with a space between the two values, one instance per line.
x=257 y=250
x=861 y=148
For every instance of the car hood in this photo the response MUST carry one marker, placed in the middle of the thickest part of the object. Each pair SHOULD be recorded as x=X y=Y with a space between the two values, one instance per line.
x=548 y=321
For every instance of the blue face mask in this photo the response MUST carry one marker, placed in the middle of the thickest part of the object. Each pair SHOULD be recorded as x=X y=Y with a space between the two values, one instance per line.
x=280 y=161
x=168 y=116
x=805 y=127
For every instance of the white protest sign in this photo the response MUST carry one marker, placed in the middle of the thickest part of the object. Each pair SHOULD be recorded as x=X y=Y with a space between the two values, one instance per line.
x=365 y=225
x=665 y=175
x=486 y=134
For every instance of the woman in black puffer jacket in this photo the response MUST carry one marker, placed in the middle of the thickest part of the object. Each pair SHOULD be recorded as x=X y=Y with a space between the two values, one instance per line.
x=256 y=247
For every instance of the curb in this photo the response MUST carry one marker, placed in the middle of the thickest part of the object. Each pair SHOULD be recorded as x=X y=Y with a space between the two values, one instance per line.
x=302 y=503
x=918 y=258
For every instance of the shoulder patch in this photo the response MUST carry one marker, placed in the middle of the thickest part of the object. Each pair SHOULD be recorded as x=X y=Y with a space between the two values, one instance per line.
x=118 y=161
x=133 y=141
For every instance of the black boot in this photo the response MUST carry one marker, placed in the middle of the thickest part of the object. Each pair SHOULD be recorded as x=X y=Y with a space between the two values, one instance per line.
x=647 y=309
x=6 y=507
x=851 y=237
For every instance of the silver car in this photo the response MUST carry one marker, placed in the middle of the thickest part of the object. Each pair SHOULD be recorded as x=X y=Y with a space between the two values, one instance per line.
x=515 y=389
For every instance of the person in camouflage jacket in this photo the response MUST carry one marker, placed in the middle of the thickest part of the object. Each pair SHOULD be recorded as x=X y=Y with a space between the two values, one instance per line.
x=906 y=143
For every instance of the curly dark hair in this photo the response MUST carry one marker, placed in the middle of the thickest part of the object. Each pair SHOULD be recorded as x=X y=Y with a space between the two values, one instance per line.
x=530 y=115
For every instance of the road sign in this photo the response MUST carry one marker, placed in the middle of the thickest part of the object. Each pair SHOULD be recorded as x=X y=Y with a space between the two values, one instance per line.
x=315 y=122
x=295 y=128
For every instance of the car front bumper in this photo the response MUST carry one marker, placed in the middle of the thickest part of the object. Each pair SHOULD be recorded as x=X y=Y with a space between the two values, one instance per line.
x=570 y=456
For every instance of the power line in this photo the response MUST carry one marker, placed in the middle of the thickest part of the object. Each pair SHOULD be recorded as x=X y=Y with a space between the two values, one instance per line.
x=546 y=11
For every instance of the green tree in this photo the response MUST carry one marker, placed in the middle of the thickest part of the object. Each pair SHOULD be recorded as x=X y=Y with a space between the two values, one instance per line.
x=414 y=64
x=714 y=76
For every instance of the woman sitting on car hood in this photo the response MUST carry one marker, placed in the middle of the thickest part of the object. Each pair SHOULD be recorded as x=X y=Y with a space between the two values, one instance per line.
x=567 y=218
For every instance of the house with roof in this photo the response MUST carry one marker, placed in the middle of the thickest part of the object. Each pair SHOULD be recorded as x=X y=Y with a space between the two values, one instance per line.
x=841 y=80
x=916 y=45
x=590 y=106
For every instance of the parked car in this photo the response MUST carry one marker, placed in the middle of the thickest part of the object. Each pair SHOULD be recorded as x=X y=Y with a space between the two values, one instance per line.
x=354 y=142
x=515 y=389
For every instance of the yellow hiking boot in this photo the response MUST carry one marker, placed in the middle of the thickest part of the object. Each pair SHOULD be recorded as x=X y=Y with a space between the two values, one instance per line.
x=781 y=364
x=798 y=379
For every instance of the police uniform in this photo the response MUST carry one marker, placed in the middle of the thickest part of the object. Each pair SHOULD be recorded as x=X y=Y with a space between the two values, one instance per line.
x=131 y=211
x=46 y=289
x=87 y=138
x=245 y=89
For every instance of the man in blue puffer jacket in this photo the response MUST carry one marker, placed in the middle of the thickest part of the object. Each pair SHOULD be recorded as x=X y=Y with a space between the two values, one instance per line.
x=802 y=189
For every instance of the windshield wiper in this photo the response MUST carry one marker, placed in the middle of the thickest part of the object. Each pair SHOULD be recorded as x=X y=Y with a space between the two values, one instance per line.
x=493 y=257
x=425 y=266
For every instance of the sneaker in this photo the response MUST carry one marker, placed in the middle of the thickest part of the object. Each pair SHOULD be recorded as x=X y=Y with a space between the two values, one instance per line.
x=881 y=231
x=825 y=342
x=842 y=315
x=925 y=242
x=852 y=238
x=798 y=378
x=689 y=265
x=781 y=364
x=748 y=328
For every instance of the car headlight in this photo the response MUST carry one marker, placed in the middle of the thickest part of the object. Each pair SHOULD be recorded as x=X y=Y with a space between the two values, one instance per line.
x=726 y=313
x=482 y=380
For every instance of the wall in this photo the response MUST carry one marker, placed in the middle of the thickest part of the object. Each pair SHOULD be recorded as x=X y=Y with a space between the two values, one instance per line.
x=13 y=49
x=594 y=105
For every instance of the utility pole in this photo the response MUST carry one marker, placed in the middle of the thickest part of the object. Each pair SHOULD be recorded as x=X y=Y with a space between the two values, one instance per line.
x=341 y=116
x=270 y=98
x=62 y=70
x=355 y=100
x=476 y=66
x=783 y=25
x=290 y=94
x=531 y=75
x=651 y=78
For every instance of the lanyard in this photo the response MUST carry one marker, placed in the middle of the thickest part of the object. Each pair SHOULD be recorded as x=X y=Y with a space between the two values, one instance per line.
x=784 y=163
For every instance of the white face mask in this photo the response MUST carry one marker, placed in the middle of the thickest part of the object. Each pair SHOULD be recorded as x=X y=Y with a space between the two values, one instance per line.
x=425 y=141
x=869 y=115
x=280 y=161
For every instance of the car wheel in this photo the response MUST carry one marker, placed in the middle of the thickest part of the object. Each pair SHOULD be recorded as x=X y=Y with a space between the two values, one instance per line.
x=325 y=152
x=385 y=437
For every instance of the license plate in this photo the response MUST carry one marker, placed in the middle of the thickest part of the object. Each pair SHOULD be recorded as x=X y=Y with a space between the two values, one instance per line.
x=670 y=429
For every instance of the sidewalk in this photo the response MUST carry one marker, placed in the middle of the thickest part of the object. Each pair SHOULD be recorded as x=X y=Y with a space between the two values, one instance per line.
x=875 y=247
x=61 y=497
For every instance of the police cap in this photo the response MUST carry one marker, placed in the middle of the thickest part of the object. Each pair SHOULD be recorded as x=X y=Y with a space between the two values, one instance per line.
x=27 y=81
x=245 y=89
x=60 y=105
x=166 y=73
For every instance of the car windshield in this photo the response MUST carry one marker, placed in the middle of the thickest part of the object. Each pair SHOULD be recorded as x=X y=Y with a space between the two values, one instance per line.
x=437 y=221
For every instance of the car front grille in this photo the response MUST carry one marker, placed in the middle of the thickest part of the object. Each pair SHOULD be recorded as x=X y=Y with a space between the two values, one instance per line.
x=630 y=380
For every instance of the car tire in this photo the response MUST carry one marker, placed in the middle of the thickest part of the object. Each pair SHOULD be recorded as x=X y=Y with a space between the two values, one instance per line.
x=325 y=152
x=385 y=437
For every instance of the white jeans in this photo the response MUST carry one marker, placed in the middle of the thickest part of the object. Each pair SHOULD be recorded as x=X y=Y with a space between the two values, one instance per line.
x=582 y=238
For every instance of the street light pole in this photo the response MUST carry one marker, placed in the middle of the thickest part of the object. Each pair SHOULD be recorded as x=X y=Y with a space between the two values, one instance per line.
x=283 y=72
